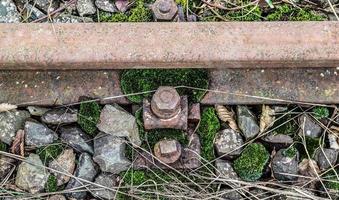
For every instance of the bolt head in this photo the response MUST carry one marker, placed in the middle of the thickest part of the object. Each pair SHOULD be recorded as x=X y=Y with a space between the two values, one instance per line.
x=168 y=151
x=165 y=102
x=164 y=10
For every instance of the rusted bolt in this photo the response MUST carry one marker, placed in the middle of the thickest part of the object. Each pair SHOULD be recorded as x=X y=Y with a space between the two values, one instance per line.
x=168 y=151
x=165 y=102
x=164 y=10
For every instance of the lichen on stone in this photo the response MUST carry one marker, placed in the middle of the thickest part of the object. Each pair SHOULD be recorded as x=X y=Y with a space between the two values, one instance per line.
x=252 y=162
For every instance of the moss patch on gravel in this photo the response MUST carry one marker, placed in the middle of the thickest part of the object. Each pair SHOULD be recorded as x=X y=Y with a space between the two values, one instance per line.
x=141 y=80
x=252 y=161
x=208 y=128
x=144 y=177
x=51 y=185
x=320 y=112
x=50 y=152
x=88 y=116
x=3 y=146
x=312 y=144
x=138 y=13
x=330 y=180
x=288 y=12
x=290 y=152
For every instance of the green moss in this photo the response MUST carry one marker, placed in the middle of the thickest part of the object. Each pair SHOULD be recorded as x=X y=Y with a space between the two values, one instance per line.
x=285 y=125
x=251 y=13
x=312 y=144
x=320 y=112
x=140 y=177
x=88 y=116
x=183 y=3
x=252 y=161
x=138 y=13
x=51 y=185
x=208 y=128
x=50 y=152
x=140 y=80
x=116 y=17
x=333 y=181
x=3 y=146
x=288 y=12
x=290 y=152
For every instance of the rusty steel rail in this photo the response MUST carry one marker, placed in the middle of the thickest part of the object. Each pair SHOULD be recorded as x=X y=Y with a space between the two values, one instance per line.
x=168 y=45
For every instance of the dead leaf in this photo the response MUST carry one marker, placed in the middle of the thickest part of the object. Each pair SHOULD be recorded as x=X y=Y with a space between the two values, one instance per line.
x=18 y=143
x=4 y=107
x=335 y=130
x=308 y=168
x=227 y=116
x=122 y=5
x=267 y=118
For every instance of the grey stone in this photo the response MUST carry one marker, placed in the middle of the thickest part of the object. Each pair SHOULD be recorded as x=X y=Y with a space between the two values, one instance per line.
x=31 y=175
x=325 y=157
x=10 y=123
x=106 y=5
x=333 y=141
x=107 y=180
x=86 y=7
x=8 y=12
x=77 y=139
x=117 y=122
x=57 y=197
x=34 y=13
x=37 y=134
x=36 y=110
x=228 y=143
x=231 y=195
x=64 y=18
x=47 y=5
x=225 y=170
x=283 y=165
x=309 y=127
x=6 y=164
x=324 y=2
x=278 y=141
x=247 y=122
x=86 y=169
x=109 y=154
x=65 y=163
x=59 y=116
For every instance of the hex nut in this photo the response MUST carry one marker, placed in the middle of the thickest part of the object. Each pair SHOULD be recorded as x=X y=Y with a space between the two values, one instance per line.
x=165 y=102
x=168 y=151
x=164 y=10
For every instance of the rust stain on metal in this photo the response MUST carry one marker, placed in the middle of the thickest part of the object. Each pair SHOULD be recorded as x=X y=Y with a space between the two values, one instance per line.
x=266 y=86
x=179 y=121
x=169 y=45
x=58 y=87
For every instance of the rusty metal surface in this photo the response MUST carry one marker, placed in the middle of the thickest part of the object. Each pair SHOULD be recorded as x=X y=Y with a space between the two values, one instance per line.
x=179 y=121
x=58 y=87
x=276 y=86
x=190 y=157
x=169 y=45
